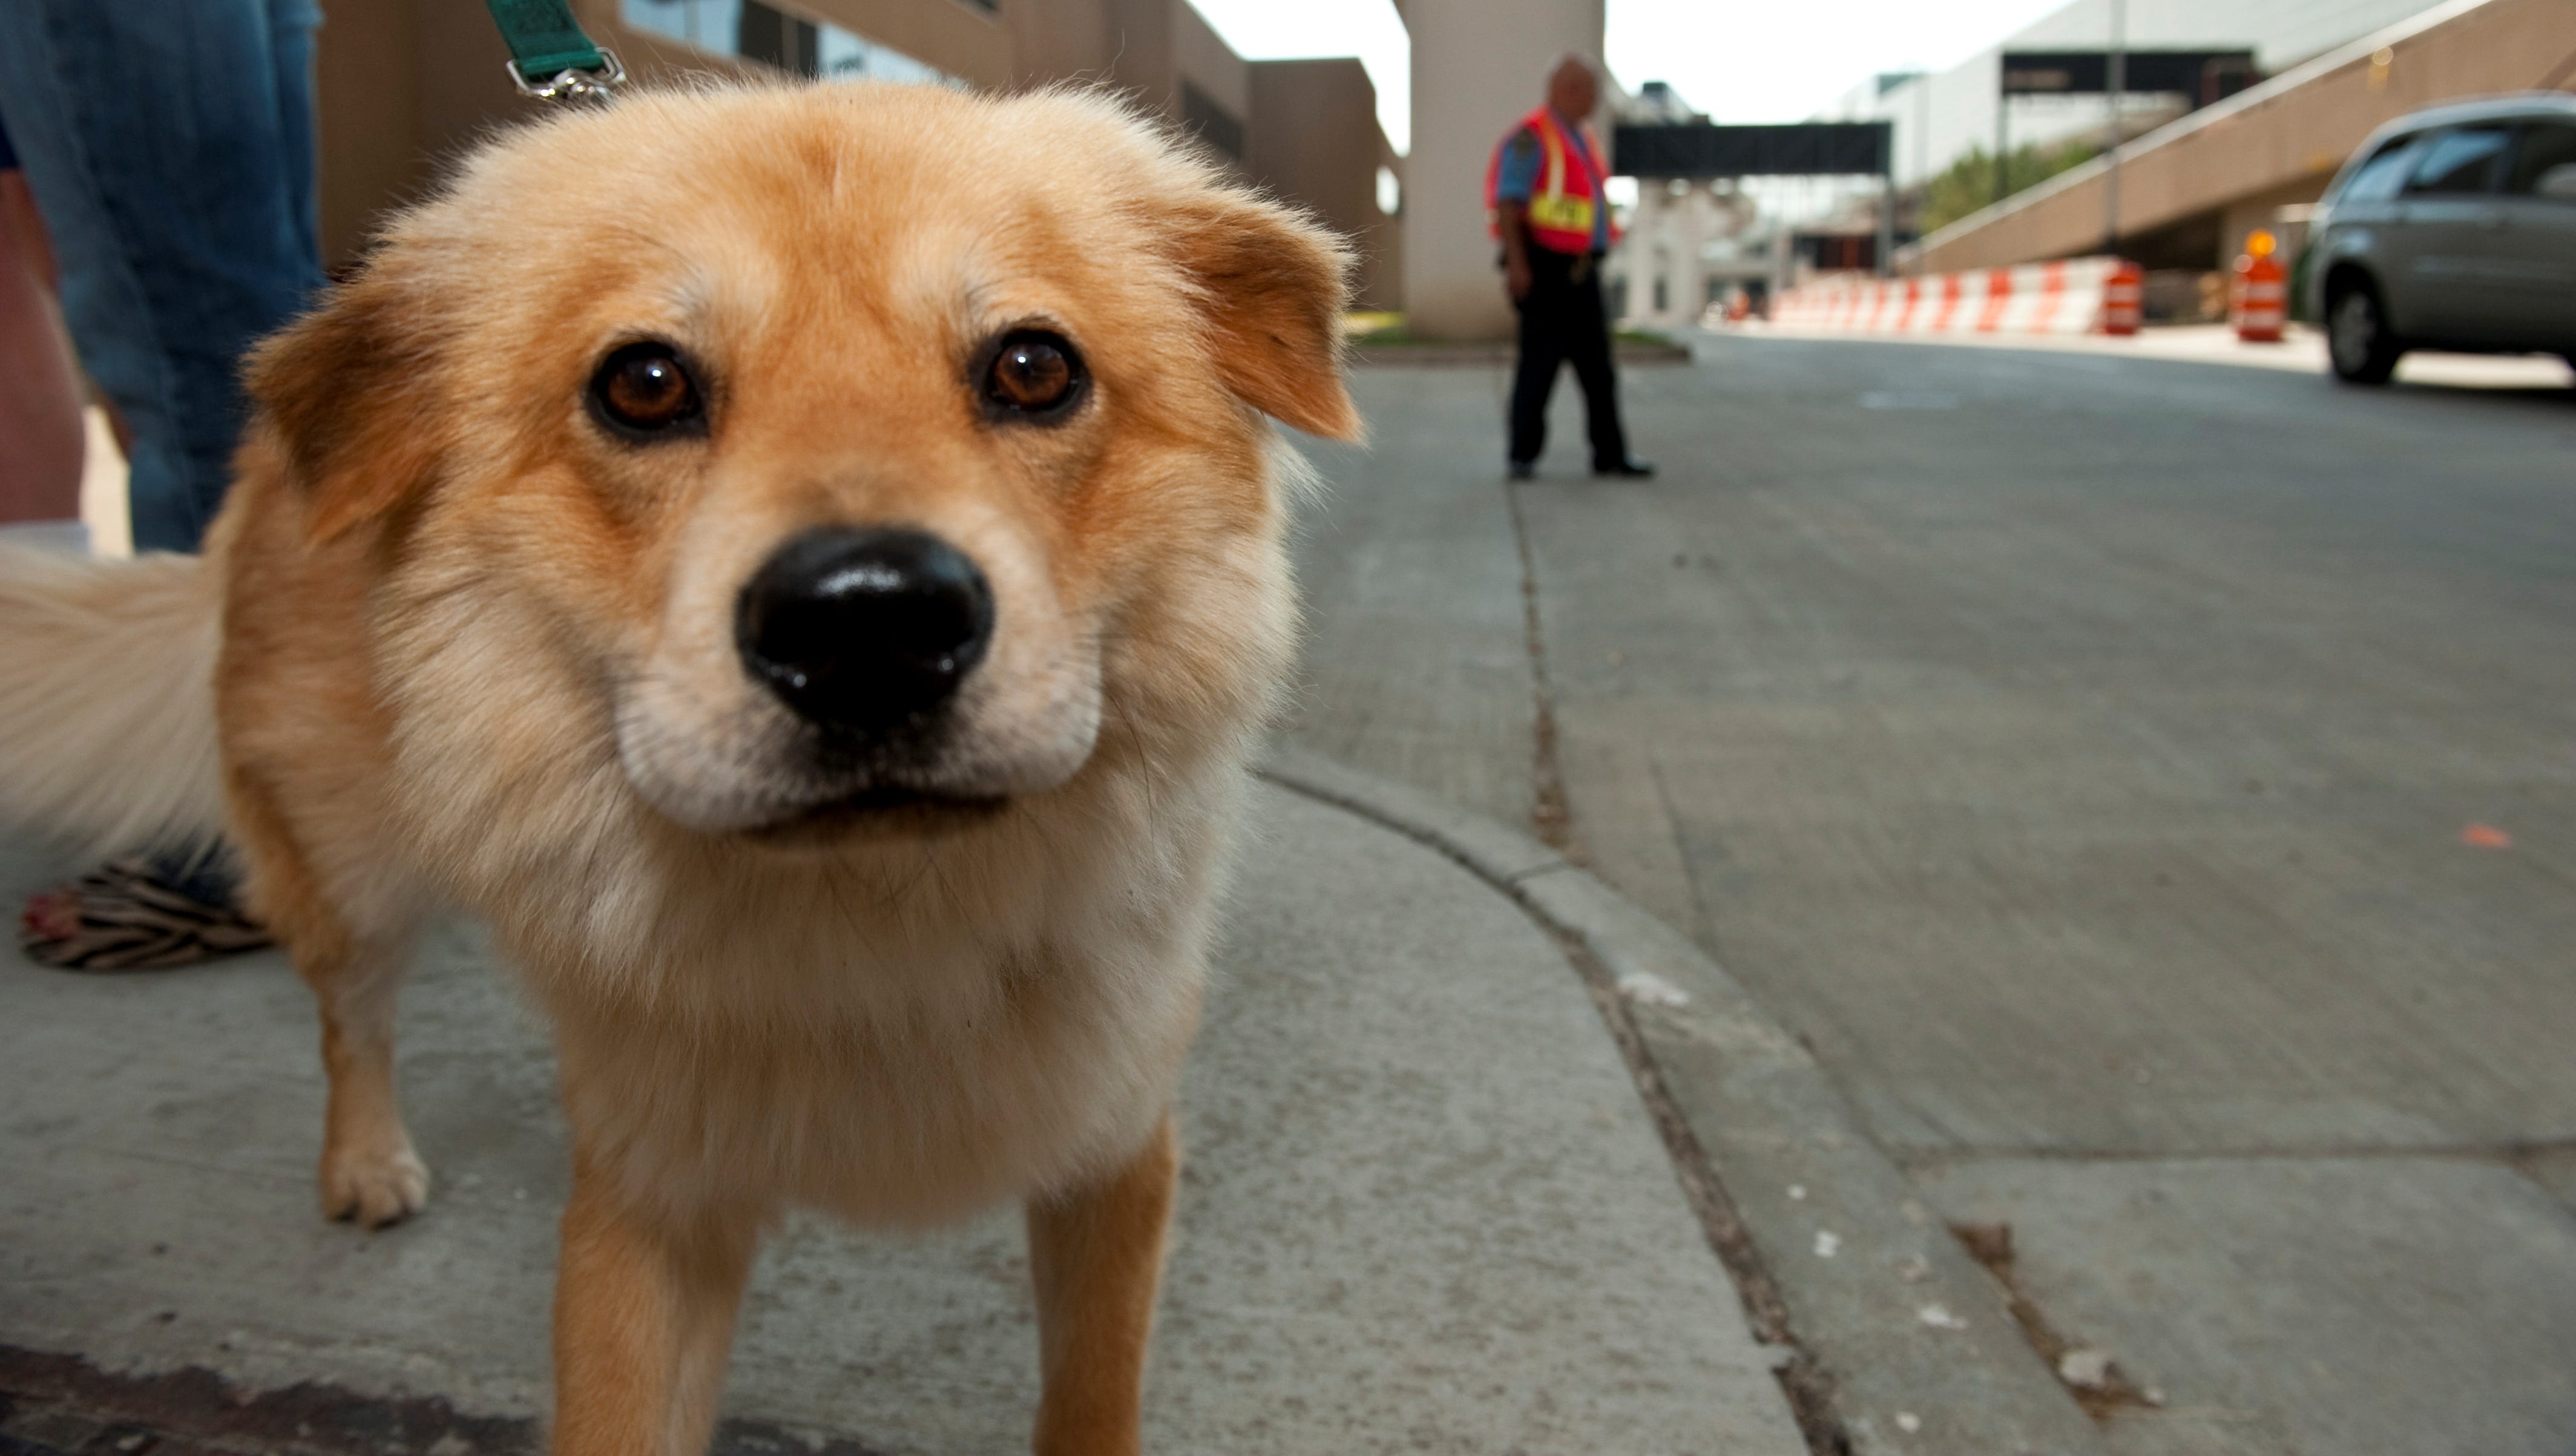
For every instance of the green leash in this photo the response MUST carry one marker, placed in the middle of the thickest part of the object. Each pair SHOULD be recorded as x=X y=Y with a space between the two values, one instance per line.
x=551 y=58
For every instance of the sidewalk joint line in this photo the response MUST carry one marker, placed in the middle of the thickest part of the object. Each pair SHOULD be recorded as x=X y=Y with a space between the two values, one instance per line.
x=1551 y=813
x=2494 y=1152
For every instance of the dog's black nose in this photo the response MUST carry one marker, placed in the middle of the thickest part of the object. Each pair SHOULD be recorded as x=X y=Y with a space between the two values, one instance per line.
x=862 y=630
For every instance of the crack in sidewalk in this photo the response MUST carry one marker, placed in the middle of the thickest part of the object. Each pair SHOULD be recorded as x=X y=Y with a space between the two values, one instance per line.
x=1803 y=1379
x=1551 y=814
x=2103 y=1391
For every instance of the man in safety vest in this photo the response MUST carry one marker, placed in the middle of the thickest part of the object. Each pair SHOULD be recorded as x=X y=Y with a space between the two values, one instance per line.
x=1544 y=192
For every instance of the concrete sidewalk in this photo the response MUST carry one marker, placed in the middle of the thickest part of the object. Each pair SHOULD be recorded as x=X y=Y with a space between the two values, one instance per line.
x=1425 y=1210
x=2142 y=788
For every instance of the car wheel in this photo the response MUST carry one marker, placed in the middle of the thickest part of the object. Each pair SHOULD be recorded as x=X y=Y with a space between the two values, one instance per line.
x=2357 y=338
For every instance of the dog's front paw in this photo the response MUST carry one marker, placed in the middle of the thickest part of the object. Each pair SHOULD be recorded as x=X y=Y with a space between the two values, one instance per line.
x=373 y=1188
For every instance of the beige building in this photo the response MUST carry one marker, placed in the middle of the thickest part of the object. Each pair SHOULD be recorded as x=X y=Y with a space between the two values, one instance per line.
x=406 y=84
x=1311 y=122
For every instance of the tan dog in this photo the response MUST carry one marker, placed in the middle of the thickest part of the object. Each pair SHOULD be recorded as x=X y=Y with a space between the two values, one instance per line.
x=806 y=566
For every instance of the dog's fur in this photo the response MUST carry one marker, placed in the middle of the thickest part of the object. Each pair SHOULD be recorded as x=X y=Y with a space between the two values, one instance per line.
x=475 y=650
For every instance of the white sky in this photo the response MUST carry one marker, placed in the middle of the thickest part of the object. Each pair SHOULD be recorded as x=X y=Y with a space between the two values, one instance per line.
x=1270 y=30
x=1737 y=61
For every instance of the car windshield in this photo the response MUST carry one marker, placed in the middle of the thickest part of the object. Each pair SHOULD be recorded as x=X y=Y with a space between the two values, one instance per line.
x=2462 y=161
x=2379 y=178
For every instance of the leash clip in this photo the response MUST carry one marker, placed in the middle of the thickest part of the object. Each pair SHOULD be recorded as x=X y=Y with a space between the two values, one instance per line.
x=570 y=84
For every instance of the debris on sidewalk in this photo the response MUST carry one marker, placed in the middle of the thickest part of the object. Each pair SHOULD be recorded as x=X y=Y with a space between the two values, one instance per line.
x=1652 y=990
x=2085 y=1368
x=2485 y=836
x=1828 y=1244
x=1938 y=1316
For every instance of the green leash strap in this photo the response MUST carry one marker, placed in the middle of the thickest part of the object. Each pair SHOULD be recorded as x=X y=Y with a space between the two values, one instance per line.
x=550 y=56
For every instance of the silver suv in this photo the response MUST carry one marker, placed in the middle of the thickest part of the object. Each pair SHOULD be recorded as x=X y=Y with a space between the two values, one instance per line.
x=2453 y=228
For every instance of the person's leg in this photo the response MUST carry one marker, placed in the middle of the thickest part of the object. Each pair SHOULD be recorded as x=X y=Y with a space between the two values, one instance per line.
x=157 y=138
x=170 y=146
x=1541 y=353
x=291 y=24
x=1588 y=347
x=41 y=434
x=101 y=298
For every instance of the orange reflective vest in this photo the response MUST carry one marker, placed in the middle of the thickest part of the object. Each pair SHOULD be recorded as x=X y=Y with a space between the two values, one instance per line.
x=1561 y=206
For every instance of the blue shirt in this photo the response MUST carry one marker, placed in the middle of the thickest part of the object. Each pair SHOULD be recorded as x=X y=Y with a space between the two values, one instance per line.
x=1518 y=182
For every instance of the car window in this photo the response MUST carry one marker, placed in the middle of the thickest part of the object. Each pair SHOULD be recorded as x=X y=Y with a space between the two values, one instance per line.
x=2545 y=145
x=2378 y=179
x=2466 y=159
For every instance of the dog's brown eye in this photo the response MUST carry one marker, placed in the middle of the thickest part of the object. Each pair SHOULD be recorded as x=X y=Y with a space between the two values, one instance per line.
x=643 y=388
x=1033 y=375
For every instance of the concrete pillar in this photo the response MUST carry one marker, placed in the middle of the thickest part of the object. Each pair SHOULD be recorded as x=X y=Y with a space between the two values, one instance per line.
x=1644 y=266
x=1476 y=69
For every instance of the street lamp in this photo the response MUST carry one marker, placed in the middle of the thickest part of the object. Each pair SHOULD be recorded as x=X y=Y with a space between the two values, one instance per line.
x=2119 y=79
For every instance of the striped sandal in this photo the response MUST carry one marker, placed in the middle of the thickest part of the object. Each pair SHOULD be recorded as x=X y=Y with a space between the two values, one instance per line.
x=126 y=917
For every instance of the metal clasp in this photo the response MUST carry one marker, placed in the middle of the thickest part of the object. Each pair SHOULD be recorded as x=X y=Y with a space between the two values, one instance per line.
x=573 y=85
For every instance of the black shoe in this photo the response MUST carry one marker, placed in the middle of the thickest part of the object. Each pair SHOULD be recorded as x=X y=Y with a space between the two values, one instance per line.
x=1522 y=470
x=1627 y=469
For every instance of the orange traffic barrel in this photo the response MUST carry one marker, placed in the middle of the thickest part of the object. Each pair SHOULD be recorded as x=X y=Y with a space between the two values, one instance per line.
x=2124 y=298
x=2259 y=301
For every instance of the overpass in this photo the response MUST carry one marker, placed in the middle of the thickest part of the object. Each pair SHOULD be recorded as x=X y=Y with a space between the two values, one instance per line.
x=2189 y=192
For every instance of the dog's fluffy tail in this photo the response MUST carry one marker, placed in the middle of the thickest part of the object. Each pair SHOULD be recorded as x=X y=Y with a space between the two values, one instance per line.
x=107 y=698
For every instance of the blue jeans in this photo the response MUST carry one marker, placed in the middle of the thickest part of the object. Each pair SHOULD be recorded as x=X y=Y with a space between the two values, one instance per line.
x=169 y=144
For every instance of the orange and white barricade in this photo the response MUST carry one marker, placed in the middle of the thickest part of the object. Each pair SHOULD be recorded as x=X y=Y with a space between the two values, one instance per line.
x=2258 y=300
x=2071 y=296
x=2124 y=299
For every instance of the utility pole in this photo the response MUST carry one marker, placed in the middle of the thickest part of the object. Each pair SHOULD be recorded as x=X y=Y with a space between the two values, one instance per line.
x=1923 y=128
x=2003 y=113
x=2119 y=83
x=1887 y=199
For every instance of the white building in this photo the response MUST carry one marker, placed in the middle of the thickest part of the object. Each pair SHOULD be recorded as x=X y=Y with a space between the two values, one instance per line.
x=1939 y=118
x=1686 y=243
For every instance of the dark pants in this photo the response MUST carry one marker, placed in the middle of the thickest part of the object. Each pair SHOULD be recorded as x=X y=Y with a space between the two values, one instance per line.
x=1562 y=323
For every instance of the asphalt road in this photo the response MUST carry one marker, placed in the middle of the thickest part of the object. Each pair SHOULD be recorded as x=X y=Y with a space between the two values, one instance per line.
x=2149 y=787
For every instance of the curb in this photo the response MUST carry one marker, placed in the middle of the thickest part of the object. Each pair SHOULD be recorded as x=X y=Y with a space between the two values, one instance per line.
x=1896 y=1341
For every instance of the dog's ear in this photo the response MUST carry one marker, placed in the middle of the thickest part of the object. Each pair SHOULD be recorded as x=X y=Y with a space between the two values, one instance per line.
x=351 y=391
x=1275 y=284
